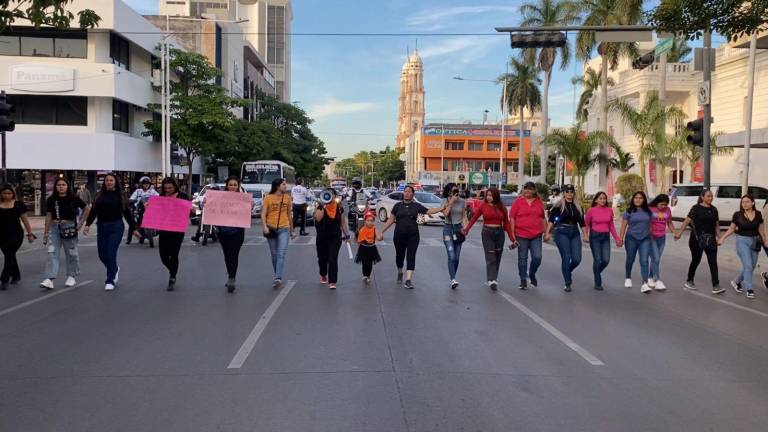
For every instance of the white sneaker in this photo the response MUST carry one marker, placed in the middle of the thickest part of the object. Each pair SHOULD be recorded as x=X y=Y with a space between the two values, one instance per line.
x=645 y=289
x=651 y=282
x=660 y=286
x=70 y=281
x=47 y=284
x=627 y=283
x=109 y=287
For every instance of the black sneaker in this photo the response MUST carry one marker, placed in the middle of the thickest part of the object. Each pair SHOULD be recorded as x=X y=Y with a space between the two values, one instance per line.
x=171 y=284
x=454 y=284
x=598 y=287
x=399 y=277
x=524 y=286
x=493 y=285
x=230 y=285
x=567 y=288
x=750 y=294
x=689 y=285
x=534 y=282
x=717 y=289
x=408 y=284
x=764 y=275
x=737 y=287
x=277 y=283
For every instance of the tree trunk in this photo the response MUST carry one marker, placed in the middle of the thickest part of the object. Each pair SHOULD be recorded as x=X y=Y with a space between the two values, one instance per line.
x=643 y=166
x=545 y=125
x=189 y=171
x=521 y=152
x=601 y=176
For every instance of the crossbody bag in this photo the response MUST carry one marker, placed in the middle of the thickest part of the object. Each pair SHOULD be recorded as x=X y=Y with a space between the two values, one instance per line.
x=273 y=231
x=67 y=230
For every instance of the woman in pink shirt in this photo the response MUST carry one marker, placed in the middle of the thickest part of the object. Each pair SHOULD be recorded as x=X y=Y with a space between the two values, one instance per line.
x=598 y=224
x=661 y=219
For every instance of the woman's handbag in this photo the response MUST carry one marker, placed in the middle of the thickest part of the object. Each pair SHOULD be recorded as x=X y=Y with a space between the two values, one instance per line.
x=67 y=230
x=756 y=244
x=273 y=231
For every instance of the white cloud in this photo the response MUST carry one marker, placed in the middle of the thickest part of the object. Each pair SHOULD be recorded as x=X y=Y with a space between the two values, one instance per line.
x=436 y=18
x=464 y=49
x=332 y=107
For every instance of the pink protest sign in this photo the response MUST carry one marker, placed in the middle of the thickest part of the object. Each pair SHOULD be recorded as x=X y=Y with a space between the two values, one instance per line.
x=229 y=209
x=167 y=214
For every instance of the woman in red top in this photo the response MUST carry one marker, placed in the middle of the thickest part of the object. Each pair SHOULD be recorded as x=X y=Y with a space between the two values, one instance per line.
x=494 y=225
x=526 y=217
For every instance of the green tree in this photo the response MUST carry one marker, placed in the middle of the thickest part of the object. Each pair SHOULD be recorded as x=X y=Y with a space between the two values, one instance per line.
x=647 y=123
x=589 y=83
x=580 y=149
x=348 y=169
x=730 y=18
x=40 y=13
x=201 y=111
x=538 y=13
x=680 y=51
x=694 y=154
x=523 y=92
x=621 y=160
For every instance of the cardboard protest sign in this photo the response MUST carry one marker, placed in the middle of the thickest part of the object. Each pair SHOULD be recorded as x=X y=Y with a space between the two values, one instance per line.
x=167 y=214
x=229 y=209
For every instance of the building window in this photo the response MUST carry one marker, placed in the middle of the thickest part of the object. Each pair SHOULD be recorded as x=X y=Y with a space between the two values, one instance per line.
x=512 y=166
x=494 y=145
x=475 y=146
x=454 y=145
x=32 y=43
x=50 y=110
x=279 y=87
x=474 y=165
x=120 y=51
x=511 y=146
x=276 y=35
x=452 y=165
x=120 y=113
x=493 y=165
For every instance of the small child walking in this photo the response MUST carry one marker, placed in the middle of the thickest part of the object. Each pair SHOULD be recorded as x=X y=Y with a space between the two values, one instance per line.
x=367 y=253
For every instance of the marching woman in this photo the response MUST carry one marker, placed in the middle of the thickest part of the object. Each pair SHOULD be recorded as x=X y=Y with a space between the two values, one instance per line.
x=528 y=222
x=495 y=224
x=636 y=232
x=455 y=211
x=109 y=210
x=747 y=223
x=565 y=218
x=598 y=223
x=13 y=214
x=61 y=228
x=331 y=230
x=661 y=220
x=367 y=253
x=705 y=223
x=405 y=216
x=169 y=242
x=277 y=226
x=231 y=239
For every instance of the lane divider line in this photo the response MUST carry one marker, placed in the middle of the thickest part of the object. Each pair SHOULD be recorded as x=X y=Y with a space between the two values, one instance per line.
x=250 y=342
x=726 y=302
x=586 y=355
x=45 y=297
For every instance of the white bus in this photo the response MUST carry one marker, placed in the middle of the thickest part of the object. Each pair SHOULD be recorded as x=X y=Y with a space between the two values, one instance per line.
x=259 y=174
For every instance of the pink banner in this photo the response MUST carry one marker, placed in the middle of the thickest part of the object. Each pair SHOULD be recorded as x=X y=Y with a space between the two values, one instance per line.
x=229 y=209
x=652 y=171
x=698 y=172
x=167 y=214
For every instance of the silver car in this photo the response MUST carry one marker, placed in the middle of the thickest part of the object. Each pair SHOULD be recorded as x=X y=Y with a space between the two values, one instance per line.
x=428 y=200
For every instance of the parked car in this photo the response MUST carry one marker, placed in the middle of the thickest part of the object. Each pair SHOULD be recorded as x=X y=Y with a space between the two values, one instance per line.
x=431 y=188
x=258 y=200
x=428 y=200
x=727 y=199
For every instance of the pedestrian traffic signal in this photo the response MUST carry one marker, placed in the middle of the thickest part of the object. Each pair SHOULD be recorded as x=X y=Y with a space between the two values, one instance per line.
x=643 y=61
x=695 y=132
x=6 y=109
x=538 y=40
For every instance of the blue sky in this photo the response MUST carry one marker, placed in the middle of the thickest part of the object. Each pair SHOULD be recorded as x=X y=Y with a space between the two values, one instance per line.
x=350 y=85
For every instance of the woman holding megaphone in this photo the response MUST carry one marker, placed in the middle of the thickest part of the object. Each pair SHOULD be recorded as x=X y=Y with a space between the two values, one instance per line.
x=331 y=230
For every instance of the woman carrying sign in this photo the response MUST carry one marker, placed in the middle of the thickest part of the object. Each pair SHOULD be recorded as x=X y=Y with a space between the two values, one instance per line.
x=169 y=242
x=277 y=226
x=231 y=239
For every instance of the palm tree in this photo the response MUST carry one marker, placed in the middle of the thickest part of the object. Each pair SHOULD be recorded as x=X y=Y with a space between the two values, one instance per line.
x=580 y=149
x=589 y=83
x=522 y=85
x=662 y=150
x=539 y=13
x=694 y=154
x=647 y=123
x=680 y=51
x=621 y=160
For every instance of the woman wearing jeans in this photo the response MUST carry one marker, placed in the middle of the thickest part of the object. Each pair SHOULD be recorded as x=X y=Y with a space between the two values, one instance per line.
x=169 y=242
x=636 y=232
x=109 y=208
x=455 y=211
x=565 y=219
x=231 y=239
x=598 y=223
x=528 y=223
x=747 y=223
x=661 y=220
x=277 y=226
x=495 y=224
x=705 y=222
x=63 y=208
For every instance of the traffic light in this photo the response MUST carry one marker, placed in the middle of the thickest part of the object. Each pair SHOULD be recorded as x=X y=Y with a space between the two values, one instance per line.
x=538 y=40
x=6 y=109
x=695 y=130
x=643 y=61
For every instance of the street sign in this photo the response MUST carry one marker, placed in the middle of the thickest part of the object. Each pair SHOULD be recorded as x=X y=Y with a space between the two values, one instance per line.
x=663 y=46
x=478 y=178
x=703 y=93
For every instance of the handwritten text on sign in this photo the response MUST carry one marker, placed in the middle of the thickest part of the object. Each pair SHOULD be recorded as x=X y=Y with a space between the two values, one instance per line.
x=167 y=214
x=229 y=209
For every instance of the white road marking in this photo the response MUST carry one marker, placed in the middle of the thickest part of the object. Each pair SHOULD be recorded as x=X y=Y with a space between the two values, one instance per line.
x=245 y=350
x=45 y=297
x=588 y=356
x=726 y=302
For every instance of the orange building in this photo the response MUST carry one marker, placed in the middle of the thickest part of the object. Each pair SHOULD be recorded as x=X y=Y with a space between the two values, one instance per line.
x=466 y=149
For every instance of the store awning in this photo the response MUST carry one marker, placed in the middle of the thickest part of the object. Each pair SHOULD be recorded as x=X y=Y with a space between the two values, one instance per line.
x=736 y=139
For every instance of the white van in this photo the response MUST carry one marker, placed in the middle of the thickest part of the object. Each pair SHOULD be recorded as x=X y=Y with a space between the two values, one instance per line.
x=727 y=199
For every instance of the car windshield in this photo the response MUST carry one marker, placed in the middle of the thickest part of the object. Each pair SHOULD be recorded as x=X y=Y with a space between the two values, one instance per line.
x=257 y=194
x=427 y=198
x=507 y=200
x=374 y=194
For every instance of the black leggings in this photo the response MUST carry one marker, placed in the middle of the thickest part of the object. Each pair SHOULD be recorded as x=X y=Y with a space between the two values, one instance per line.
x=328 y=256
x=367 y=267
x=10 y=246
x=231 y=244
x=406 y=245
x=696 y=253
x=170 y=246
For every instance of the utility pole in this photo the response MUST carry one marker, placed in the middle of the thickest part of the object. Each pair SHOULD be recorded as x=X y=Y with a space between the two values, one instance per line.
x=707 y=63
x=748 y=115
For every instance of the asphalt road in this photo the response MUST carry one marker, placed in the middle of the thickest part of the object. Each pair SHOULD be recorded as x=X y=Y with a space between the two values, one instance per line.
x=376 y=358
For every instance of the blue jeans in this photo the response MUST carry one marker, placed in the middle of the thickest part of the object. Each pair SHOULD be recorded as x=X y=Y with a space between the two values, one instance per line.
x=452 y=248
x=657 y=249
x=748 y=258
x=55 y=243
x=568 y=241
x=108 y=240
x=633 y=246
x=600 y=244
x=277 y=248
x=533 y=246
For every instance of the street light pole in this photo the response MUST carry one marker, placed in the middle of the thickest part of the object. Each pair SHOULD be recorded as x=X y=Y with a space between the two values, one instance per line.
x=748 y=115
x=706 y=126
x=503 y=122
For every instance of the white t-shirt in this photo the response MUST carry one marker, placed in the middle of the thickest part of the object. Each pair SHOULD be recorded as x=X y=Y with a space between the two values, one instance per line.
x=299 y=195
